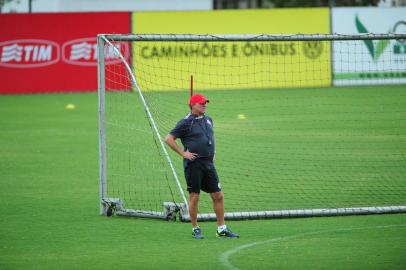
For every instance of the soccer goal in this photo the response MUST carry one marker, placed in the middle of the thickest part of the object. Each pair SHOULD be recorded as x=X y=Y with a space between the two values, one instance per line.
x=305 y=125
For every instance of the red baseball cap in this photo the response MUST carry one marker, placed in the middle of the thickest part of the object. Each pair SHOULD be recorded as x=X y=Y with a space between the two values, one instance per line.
x=198 y=98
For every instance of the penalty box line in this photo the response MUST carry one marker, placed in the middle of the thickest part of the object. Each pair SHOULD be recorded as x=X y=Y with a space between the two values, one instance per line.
x=224 y=257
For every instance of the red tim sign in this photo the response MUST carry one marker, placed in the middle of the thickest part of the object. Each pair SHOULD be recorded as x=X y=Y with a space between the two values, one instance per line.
x=45 y=53
x=83 y=52
x=28 y=53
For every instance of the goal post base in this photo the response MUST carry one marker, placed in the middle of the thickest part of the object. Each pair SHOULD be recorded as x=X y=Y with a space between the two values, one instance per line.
x=115 y=206
x=141 y=214
x=172 y=211
x=110 y=205
x=184 y=216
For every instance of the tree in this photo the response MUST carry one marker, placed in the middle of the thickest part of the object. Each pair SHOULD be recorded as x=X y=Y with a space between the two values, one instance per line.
x=351 y=3
x=299 y=3
x=321 y=3
x=2 y=3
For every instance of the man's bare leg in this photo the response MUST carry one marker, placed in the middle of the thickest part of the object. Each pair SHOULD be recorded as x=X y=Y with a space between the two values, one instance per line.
x=193 y=207
x=218 y=206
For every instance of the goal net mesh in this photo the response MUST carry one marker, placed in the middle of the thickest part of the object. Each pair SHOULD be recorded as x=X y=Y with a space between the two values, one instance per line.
x=309 y=124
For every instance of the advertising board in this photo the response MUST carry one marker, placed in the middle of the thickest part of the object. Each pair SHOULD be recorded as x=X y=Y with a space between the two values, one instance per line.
x=43 y=53
x=369 y=61
x=229 y=65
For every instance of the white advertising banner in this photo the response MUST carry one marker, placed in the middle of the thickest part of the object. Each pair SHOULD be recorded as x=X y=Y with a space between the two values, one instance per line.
x=369 y=61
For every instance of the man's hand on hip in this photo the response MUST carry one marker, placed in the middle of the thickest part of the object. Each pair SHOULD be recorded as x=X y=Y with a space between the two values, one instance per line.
x=190 y=156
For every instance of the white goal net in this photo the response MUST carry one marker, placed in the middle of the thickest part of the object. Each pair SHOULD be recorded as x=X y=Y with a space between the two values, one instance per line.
x=304 y=125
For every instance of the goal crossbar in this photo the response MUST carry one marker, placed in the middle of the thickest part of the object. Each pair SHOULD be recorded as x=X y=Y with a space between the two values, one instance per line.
x=250 y=37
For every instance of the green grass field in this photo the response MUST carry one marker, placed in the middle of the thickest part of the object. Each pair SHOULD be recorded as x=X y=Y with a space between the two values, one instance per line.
x=49 y=198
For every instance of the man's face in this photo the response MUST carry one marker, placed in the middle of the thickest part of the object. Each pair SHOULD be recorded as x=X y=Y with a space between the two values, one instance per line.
x=199 y=108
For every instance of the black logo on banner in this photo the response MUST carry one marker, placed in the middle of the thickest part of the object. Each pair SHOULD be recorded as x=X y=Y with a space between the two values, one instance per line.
x=312 y=49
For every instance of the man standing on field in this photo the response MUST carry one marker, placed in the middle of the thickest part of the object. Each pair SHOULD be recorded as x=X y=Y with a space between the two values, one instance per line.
x=195 y=131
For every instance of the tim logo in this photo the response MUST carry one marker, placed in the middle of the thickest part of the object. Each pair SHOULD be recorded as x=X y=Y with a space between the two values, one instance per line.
x=83 y=52
x=28 y=53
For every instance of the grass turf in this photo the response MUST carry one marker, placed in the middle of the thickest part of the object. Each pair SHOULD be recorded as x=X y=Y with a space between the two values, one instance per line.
x=49 y=198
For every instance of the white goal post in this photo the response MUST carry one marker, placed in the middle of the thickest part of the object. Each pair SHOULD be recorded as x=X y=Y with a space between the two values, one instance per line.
x=143 y=83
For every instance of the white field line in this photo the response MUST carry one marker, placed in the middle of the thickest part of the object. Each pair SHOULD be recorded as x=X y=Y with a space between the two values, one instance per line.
x=224 y=257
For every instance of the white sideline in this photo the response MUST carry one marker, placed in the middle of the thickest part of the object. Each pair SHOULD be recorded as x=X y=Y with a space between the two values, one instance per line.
x=225 y=255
